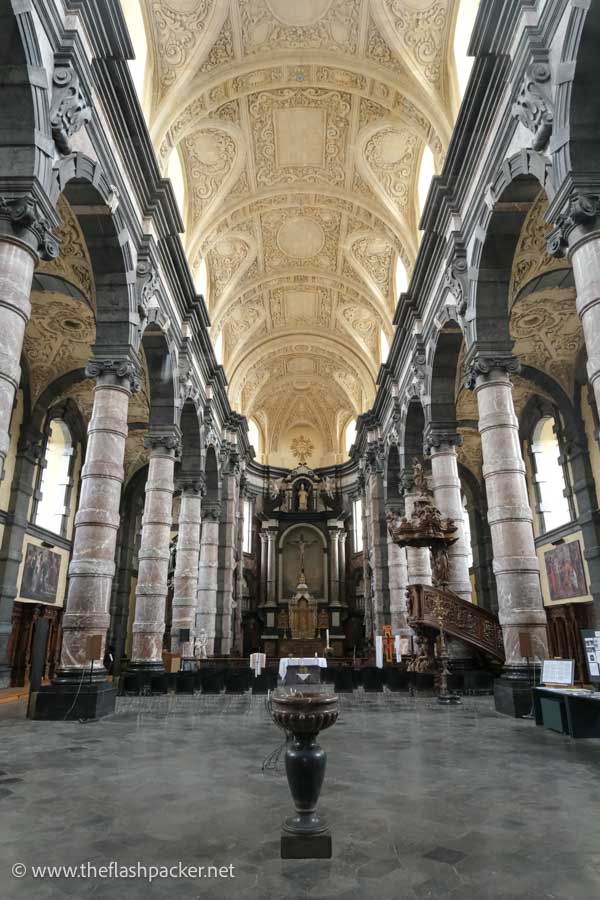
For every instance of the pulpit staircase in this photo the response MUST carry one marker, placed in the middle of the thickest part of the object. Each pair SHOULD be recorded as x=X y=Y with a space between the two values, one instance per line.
x=465 y=621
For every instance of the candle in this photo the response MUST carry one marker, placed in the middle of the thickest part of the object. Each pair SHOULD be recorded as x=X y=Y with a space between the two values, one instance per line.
x=327 y=633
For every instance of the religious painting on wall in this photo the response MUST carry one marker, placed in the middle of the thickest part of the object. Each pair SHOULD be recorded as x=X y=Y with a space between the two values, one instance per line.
x=41 y=571
x=565 y=572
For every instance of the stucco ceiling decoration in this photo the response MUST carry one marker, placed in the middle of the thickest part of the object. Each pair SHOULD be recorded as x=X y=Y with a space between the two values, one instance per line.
x=300 y=127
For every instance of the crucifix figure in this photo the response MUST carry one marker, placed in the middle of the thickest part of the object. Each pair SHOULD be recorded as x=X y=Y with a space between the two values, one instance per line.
x=302 y=545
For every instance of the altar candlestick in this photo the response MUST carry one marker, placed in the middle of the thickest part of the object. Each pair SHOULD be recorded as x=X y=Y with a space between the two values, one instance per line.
x=327 y=633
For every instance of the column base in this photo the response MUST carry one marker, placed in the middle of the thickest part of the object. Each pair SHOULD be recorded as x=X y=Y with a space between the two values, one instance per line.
x=68 y=701
x=142 y=666
x=513 y=691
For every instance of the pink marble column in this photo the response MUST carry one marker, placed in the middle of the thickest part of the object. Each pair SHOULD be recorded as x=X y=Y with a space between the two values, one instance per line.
x=577 y=236
x=447 y=497
x=185 y=586
x=93 y=559
x=516 y=567
x=153 y=556
x=25 y=238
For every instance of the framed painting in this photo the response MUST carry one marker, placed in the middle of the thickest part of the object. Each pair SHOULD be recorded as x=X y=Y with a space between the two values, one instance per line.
x=565 y=572
x=41 y=572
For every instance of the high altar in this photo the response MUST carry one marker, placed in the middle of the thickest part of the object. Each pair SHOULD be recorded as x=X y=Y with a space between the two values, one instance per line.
x=303 y=565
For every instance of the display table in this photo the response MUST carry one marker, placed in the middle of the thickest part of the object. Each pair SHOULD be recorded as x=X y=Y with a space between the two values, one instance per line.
x=301 y=670
x=574 y=712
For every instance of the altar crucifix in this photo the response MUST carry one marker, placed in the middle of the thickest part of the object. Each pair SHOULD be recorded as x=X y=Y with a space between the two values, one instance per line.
x=302 y=545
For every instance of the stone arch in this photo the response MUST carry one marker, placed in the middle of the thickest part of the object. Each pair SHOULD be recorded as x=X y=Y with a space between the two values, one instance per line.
x=26 y=142
x=508 y=200
x=577 y=104
x=393 y=475
x=88 y=189
x=444 y=370
x=211 y=474
x=191 y=453
x=414 y=427
x=162 y=377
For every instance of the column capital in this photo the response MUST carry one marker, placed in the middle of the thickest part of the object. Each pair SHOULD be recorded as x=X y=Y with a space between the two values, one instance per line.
x=580 y=211
x=120 y=372
x=31 y=443
x=483 y=362
x=165 y=440
x=23 y=220
x=212 y=510
x=438 y=436
x=191 y=484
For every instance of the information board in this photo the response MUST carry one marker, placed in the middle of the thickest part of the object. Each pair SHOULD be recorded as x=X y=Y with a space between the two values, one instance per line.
x=558 y=671
x=591 y=645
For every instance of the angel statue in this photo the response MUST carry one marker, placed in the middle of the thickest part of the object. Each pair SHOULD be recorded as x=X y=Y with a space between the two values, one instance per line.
x=201 y=645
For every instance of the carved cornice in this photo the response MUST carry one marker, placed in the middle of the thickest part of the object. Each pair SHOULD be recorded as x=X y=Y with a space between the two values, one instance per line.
x=534 y=107
x=582 y=210
x=70 y=108
x=120 y=371
x=484 y=362
x=28 y=224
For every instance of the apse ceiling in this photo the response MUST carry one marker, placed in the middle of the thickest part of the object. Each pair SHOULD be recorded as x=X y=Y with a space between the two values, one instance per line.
x=299 y=126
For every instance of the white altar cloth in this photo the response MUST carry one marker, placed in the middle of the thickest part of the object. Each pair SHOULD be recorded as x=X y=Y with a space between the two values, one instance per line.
x=286 y=661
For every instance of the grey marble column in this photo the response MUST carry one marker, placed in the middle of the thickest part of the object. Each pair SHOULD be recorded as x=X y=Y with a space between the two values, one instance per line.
x=516 y=566
x=334 y=565
x=153 y=556
x=272 y=567
x=342 y=542
x=185 y=582
x=447 y=497
x=379 y=545
x=418 y=558
x=206 y=602
x=264 y=553
x=97 y=520
x=398 y=568
x=24 y=239
x=227 y=561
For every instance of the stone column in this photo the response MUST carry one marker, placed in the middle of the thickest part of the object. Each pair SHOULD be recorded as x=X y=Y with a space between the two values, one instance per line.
x=227 y=561
x=334 y=564
x=342 y=541
x=153 y=557
x=185 y=582
x=272 y=567
x=520 y=605
x=206 y=605
x=264 y=550
x=418 y=558
x=24 y=239
x=398 y=568
x=447 y=497
x=378 y=527
x=92 y=565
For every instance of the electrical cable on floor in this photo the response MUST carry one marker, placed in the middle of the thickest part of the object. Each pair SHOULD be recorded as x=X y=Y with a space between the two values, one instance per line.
x=72 y=707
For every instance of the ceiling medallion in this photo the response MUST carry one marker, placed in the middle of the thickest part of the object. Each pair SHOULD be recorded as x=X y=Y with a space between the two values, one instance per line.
x=302 y=448
x=299 y=14
x=300 y=237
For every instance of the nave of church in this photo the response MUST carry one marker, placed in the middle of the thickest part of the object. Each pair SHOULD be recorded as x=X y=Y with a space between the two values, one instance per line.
x=299 y=391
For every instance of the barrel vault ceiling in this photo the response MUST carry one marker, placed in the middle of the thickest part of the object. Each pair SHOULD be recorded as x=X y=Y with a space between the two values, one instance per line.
x=300 y=128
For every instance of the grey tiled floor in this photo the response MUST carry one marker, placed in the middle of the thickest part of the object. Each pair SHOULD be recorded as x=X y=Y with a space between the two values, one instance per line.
x=424 y=802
